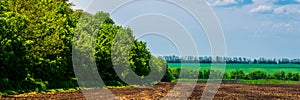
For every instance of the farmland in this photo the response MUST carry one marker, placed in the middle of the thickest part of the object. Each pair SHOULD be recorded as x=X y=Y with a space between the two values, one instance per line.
x=49 y=49
x=269 y=68
x=226 y=91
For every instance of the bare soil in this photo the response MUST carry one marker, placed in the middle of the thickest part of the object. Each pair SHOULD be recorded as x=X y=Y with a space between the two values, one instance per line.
x=226 y=92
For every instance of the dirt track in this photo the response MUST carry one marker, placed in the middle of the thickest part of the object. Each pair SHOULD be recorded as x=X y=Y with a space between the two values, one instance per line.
x=226 y=92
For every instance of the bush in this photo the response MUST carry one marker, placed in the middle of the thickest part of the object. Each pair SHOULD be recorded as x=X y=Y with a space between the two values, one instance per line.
x=205 y=74
x=168 y=77
x=279 y=75
x=239 y=74
x=292 y=76
x=256 y=75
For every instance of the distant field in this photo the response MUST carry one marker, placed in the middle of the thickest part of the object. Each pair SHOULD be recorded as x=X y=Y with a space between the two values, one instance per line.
x=269 y=68
x=241 y=81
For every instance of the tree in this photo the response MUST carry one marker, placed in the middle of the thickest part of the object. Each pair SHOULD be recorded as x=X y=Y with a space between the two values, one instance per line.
x=292 y=76
x=256 y=75
x=12 y=44
x=115 y=47
x=237 y=74
x=279 y=75
x=37 y=38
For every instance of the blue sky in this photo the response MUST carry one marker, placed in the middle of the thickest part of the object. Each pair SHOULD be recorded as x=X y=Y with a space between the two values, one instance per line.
x=252 y=28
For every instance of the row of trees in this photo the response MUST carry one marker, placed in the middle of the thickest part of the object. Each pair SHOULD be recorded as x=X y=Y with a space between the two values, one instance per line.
x=238 y=74
x=263 y=75
x=37 y=37
x=235 y=60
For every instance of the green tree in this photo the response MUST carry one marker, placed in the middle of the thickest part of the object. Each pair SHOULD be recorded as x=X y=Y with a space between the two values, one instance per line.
x=279 y=75
x=48 y=37
x=292 y=76
x=237 y=74
x=12 y=45
x=37 y=38
x=114 y=47
x=256 y=75
x=206 y=74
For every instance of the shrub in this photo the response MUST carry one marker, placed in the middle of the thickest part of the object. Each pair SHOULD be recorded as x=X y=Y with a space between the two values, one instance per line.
x=237 y=74
x=256 y=75
x=279 y=75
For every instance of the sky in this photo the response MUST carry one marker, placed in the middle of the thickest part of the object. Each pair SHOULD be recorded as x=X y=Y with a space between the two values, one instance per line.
x=252 y=28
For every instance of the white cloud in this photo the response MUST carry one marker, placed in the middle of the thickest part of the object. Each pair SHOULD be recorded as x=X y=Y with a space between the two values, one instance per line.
x=230 y=3
x=271 y=28
x=262 y=9
x=284 y=9
x=224 y=2
x=282 y=25
x=285 y=27
x=280 y=10
x=288 y=9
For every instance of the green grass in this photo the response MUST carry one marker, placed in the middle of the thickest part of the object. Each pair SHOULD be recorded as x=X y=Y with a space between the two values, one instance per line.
x=8 y=92
x=269 y=68
x=21 y=87
x=194 y=80
x=43 y=87
x=119 y=86
x=261 y=81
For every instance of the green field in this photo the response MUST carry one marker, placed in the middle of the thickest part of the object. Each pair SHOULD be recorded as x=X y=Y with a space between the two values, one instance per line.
x=269 y=68
x=261 y=81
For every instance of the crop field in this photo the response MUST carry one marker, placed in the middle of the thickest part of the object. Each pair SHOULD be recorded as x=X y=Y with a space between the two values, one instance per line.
x=269 y=68
x=226 y=91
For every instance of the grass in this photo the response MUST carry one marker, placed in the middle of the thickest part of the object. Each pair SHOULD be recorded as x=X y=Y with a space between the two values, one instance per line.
x=21 y=87
x=269 y=68
x=9 y=92
x=261 y=81
x=127 y=86
x=47 y=87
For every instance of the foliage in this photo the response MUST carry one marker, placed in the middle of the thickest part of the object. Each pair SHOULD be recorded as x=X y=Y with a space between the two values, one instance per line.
x=237 y=74
x=229 y=60
x=293 y=76
x=115 y=49
x=13 y=46
x=37 y=37
x=264 y=81
x=168 y=77
x=279 y=75
x=256 y=75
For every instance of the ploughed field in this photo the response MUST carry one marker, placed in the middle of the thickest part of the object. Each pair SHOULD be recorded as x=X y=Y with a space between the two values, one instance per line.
x=226 y=91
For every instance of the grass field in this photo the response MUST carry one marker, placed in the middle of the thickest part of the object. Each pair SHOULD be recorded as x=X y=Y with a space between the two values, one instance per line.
x=241 y=81
x=269 y=68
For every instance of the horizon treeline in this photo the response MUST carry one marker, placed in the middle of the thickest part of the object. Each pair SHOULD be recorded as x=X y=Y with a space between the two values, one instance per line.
x=229 y=60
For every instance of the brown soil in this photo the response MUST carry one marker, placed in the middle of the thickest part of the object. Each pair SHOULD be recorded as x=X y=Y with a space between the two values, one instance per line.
x=226 y=92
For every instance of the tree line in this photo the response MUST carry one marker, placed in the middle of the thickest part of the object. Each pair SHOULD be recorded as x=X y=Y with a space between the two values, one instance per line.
x=229 y=60
x=37 y=37
x=237 y=74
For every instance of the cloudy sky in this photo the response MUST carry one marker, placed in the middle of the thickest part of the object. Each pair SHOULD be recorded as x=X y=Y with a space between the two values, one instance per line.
x=252 y=28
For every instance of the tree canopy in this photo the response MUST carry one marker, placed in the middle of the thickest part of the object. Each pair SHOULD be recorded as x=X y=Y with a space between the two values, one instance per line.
x=37 y=37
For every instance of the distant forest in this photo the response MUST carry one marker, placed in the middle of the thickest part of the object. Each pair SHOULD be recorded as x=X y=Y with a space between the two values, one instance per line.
x=230 y=60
